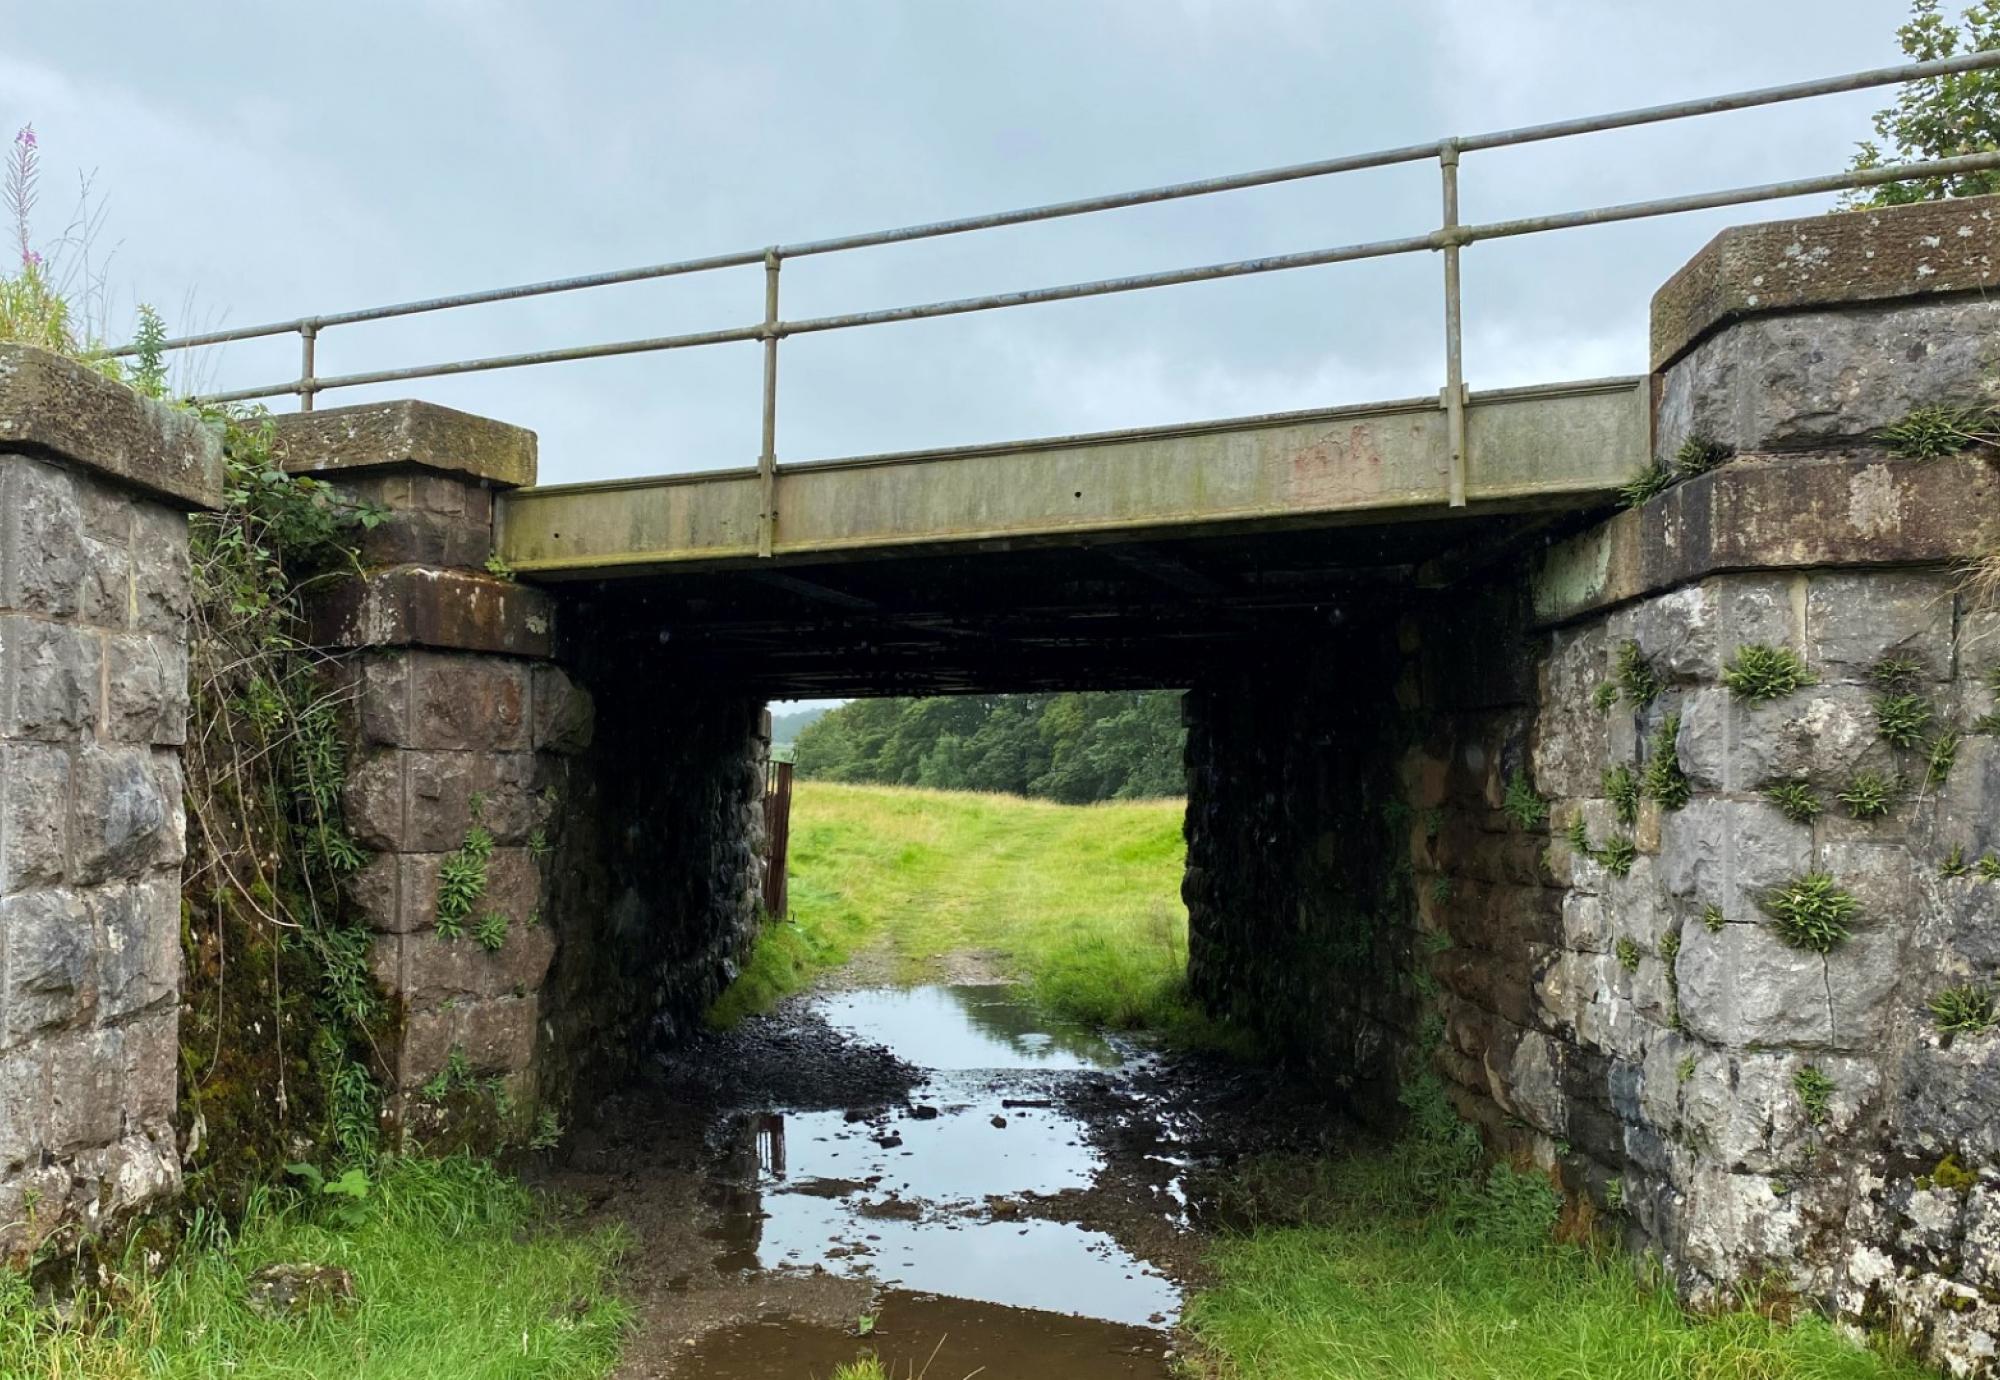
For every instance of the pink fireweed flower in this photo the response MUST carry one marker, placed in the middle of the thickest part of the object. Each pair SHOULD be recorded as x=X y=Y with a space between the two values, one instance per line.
x=26 y=138
x=30 y=259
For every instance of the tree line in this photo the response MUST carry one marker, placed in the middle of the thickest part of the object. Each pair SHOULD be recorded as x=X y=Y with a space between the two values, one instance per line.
x=1076 y=748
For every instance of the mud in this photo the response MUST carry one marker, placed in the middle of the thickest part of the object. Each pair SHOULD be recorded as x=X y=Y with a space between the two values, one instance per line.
x=918 y=1171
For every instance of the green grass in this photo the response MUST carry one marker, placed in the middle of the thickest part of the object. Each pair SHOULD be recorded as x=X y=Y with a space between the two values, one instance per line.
x=1399 y=1299
x=1081 y=903
x=455 y=1276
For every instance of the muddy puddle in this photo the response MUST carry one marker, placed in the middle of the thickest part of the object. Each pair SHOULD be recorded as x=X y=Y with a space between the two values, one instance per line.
x=921 y=1173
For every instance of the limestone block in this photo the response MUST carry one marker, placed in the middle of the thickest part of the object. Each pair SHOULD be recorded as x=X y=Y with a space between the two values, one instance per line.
x=172 y=849
x=51 y=963
x=1959 y=924
x=120 y=817
x=374 y=891
x=372 y=801
x=1881 y=876
x=435 y=971
x=467 y=702
x=86 y=1105
x=1587 y=924
x=151 y=1049
x=49 y=675
x=1786 y=382
x=1855 y=619
x=1744 y=986
x=1862 y=979
x=1982 y=1235
x=406 y=436
x=146 y=694
x=1731 y=853
x=1968 y=804
x=496 y=1036
x=1946 y=1097
x=564 y=717
x=1572 y=741
x=1606 y=1017
x=137 y=934
x=1738 y=1225
x=1978 y=643
x=34 y=816
x=24 y=1091
x=1532 y=1085
x=1821 y=735
x=1690 y=632
x=104 y=599
x=162 y=578
x=41 y=538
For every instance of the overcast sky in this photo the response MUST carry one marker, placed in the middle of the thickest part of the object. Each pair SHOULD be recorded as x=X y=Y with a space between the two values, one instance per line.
x=262 y=161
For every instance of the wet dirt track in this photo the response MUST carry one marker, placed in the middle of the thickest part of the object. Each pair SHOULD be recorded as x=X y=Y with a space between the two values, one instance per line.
x=934 y=1167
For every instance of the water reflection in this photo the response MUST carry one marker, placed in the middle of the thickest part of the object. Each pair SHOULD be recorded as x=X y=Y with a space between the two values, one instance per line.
x=916 y=1195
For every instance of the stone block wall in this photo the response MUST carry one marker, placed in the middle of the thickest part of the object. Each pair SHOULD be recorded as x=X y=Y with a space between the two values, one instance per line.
x=463 y=735
x=1619 y=1002
x=95 y=487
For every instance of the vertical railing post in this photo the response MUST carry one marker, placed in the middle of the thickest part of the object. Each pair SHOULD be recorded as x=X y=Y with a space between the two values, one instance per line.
x=308 y=339
x=767 y=459
x=1453 y=393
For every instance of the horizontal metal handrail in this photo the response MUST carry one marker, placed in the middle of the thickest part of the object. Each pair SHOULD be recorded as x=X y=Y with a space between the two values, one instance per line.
x=1449 y=238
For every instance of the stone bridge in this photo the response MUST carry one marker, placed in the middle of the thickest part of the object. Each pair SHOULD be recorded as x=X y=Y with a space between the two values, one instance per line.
x=1469 y=790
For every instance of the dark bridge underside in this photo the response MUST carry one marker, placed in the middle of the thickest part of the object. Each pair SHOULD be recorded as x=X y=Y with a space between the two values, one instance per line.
x=1109 y=615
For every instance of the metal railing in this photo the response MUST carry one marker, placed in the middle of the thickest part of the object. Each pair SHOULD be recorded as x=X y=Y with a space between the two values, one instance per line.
x=1450 y=238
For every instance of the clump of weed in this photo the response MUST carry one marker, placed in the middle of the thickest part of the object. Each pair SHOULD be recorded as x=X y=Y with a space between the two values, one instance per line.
x=1954 y=865
x=1712 y=918
x=1964 y=1010
x=1670 y=945
x=1989 y=868
x=1950 y=1176
x=1796 y=801
x=491 y=932
x=1604 y=697
x=1815 y=1092
x=1896 y=672
x=1698 y=455
x=1637 y=680
x=1902 y=719
x=1931 y=431
x=1621 y=787
x=1758 y=672
x=1684 y=1071
x=1578 y=835
x=1523 y=804
x=1812 y=912
x=1618 y=855
x=1651 y=482
x=1614 y=1194
x=1939 y=758
x=1664 y=782
x=1869 y=795
x=462 y=881
x=1440 y=889
x=1629 y=954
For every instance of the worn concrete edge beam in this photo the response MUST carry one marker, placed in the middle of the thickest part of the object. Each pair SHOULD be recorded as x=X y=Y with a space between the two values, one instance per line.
x=424 y=606
x=54 y=407
x=1789 y=512
x=406 y=434
x=1849 y=258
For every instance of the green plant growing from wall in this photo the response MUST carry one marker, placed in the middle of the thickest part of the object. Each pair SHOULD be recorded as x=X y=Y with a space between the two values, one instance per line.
x=1815 y=1092
x=1440 y=889
x=1940 y=756
x=491 y=932
x=1621 y=787
x=1954 y=865
x=456 y=1074
x=1812 y=912
x=1902 y=719
x=1684 y=1071
x=1664 y=782
x=1614 y=1194
x=1964 y=1010
x=1989 y=868
x=1758 y=672
x=462 y=879
x=1618 y=855
x=1651 y=482
x=1637 y=680
x=1712 y=918
x=1698 y=455
x=1522 y=803
x=1578 y=836
x=1629 y=954
x=1950 y=1177
x=1797 y=801
x=1869 y=795
x=1604 y=697
x=1929 y=433
x=539 y=847
x=1896 y=673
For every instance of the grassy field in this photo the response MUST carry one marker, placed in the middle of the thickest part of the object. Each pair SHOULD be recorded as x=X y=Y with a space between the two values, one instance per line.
x=1080 y=902
x=453 y=1277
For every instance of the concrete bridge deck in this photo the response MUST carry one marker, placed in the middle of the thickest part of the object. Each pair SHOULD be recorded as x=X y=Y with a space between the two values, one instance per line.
x=1559 y=447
